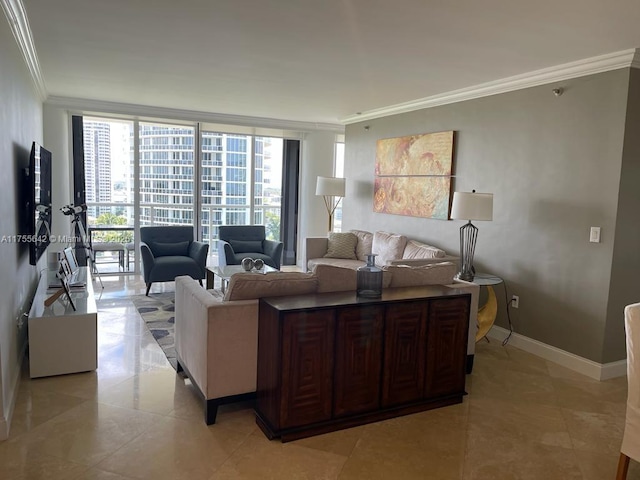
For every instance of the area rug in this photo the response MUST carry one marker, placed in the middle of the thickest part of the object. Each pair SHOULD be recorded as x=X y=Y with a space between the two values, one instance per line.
x=157 y=311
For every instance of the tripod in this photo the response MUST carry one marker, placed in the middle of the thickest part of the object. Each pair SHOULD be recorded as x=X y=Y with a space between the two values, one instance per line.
x=86 y=246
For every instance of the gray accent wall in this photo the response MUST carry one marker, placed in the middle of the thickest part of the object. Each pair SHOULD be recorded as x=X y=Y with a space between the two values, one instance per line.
x=556 y=167
x=20 y=125
x=625 y=268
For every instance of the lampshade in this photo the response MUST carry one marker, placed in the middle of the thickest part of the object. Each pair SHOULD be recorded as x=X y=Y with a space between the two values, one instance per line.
x=472 y=206
x=330 y=186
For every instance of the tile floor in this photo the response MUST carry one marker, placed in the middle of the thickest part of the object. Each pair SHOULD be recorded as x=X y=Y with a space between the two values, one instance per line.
x=134 y=418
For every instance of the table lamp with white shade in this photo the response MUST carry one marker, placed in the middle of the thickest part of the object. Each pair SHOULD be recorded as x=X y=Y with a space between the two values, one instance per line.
x=470 y=206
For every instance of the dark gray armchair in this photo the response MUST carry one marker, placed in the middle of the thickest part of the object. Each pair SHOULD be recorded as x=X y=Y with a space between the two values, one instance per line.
x=240 y=241
x=170 y=251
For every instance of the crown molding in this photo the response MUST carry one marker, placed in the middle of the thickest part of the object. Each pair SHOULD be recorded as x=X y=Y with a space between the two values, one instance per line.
x=17 y=18
x=580 y=68
x=144 y=111
x=635 y=62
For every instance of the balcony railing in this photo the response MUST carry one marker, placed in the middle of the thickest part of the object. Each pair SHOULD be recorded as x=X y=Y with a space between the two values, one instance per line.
x=213 y=216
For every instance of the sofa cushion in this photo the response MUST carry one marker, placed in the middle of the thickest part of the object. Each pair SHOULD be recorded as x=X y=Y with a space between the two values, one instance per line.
x=163 y=249
x=342 y=245
x=247 y=286
x=246 y=246
x=433 y=274
x=388 y=246
x=338 y=262
x=421 y=250
x=363 y=247
x=334 y=278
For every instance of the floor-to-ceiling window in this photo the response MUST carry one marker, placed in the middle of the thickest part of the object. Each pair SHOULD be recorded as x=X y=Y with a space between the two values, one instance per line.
x=338 y=171
x=241 y=183
x=108 y=163
x=231 y=179
x=166 y=169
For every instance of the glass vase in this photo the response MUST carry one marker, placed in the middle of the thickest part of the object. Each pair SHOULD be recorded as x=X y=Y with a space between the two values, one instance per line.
x=369 y=279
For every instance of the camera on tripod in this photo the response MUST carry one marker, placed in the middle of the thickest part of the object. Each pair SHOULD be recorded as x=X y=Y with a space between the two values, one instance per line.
x=73 y=209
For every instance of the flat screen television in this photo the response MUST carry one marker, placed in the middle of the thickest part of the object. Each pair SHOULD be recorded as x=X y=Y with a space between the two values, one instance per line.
x=39 y=202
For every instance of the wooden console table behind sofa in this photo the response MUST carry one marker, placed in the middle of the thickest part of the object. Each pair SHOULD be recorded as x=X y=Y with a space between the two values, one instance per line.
x=333 y=360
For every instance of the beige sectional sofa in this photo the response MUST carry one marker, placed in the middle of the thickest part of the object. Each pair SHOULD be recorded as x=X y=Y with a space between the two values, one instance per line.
x=390 y=248
x=217 y=335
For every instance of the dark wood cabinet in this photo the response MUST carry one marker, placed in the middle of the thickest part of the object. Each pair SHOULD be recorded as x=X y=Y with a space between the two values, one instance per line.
x=307 y=366
x=357 y=360
x=405 y=353
x=333 y=360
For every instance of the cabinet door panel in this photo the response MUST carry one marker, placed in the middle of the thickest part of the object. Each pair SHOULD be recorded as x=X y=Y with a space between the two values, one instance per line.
x=307 y=367
x=404 y=356
x=358 y=360
x=446 y=346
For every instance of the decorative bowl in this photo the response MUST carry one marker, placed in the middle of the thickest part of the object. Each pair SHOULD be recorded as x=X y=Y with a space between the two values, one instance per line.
x=247 y=264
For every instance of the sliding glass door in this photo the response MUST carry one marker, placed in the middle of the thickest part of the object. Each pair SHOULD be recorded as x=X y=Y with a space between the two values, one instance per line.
x=241 y=183
x=152 y=173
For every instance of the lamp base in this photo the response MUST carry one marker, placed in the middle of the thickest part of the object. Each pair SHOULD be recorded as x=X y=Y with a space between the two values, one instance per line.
x=468 y=236
x=465 y=276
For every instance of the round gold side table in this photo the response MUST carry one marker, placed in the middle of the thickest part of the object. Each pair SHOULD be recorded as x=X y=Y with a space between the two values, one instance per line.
x=488 y=312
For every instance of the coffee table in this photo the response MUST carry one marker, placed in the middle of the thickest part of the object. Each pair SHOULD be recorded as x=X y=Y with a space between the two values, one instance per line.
x=225 y=272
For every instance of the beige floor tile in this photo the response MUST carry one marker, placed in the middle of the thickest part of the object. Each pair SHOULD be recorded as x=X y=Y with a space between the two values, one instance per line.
x=34 y=407
x=503 y=460
x=175 y=449
x=97 y=474
x=595 y=466
x=260 y=459
x=594 y=432
x=524 y=418
x=86 y=434
x=155 y=391
x=341 y=442
x=491 y=419
x=608 y=397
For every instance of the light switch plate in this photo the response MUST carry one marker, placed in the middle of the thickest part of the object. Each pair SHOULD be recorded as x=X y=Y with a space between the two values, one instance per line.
x=594 y=236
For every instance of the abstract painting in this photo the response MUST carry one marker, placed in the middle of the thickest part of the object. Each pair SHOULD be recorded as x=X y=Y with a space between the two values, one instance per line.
x=413 y=175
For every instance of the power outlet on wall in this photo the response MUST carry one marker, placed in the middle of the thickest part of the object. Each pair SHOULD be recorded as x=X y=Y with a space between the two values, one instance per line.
x=515 y=301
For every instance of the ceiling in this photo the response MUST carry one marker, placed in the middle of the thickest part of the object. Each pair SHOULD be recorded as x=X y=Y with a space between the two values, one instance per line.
x=317 y=61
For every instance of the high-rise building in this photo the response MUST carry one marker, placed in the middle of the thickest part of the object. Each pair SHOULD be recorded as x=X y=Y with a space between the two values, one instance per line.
x=233 y=168
x=97 y=163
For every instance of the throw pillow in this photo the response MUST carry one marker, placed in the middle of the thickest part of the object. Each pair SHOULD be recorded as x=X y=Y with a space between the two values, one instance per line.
x=388 y=246
x=246 y=246
x=161 y=249
x=342 y=245
x=363 y=247
x=421 y=250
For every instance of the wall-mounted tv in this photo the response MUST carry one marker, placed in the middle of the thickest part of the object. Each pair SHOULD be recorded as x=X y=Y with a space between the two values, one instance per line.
x=39 y=202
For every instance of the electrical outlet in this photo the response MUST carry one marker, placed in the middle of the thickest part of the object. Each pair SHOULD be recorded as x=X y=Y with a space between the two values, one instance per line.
x=515 y=301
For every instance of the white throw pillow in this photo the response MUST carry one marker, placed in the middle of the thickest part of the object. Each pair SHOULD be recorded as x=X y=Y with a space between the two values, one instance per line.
x=365 y=242
x=388 y=246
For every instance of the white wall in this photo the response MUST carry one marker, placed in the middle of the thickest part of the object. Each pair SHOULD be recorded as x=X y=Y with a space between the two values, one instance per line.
x=20 y=125
x=318 y=150
x=57 y=138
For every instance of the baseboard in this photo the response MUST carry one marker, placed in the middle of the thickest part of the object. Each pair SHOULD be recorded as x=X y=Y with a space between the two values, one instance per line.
x=597 y=371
